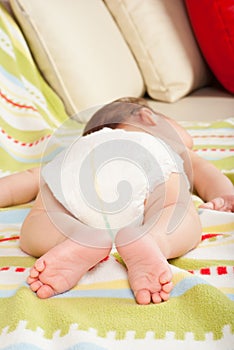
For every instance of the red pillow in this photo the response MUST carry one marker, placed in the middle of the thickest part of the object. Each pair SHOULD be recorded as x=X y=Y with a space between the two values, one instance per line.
x=213 y=25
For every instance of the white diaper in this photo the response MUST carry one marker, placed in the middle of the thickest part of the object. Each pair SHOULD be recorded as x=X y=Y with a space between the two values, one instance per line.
x=104 y=178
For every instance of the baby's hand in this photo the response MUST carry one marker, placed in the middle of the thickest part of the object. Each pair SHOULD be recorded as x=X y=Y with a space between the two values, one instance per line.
x=222 y=203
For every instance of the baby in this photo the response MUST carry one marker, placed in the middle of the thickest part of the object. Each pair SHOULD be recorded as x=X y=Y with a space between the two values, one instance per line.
x=67 y=244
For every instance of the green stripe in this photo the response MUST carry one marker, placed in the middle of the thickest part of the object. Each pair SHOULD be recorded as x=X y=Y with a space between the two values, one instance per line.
x=23 y=66
x=107 y=314
x=230 y=176
x=212 y=125
x=195 y=264
x=189 y=264
x=224 y=163
x=208 y=146
x=8 y=163
x=27 y=261
x=24 y=135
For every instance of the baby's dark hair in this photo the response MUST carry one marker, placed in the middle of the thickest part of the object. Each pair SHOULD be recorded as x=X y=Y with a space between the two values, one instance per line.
x=114 y=113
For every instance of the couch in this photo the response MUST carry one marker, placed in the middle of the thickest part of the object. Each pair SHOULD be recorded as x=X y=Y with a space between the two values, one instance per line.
x=58 y=63
x=129 y=48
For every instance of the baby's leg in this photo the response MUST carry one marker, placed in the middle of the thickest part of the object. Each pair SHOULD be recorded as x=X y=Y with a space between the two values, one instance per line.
x=62 y=261
x=145 y=249
x=148 y=270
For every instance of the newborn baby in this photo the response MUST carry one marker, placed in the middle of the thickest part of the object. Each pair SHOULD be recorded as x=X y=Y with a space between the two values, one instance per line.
x=104 y=178
x=118 y=184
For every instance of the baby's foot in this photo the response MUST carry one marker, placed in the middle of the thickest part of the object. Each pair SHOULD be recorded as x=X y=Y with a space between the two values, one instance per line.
x=148 y=270
x=62 y=267
x=222 y=203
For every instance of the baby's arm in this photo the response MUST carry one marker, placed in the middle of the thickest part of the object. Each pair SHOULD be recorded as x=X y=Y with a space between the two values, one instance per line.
x=211 y=185
x=19 y=188
x=221 y=203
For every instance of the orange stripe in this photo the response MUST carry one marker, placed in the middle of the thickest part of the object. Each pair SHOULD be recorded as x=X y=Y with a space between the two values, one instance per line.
x=208 y=136
x=213 y=149
x=17 y=104
x=9 y=239
x=28 y=144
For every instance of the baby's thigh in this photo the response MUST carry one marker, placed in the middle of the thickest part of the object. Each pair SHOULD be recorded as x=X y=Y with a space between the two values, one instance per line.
x=39 y=232
x=174 y=191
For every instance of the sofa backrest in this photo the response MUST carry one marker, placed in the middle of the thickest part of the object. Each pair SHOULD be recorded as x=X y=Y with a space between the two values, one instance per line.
x=94 y=51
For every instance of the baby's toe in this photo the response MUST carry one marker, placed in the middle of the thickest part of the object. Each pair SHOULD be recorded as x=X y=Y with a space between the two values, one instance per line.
x=143 y=296
x=164 y=295
x=165 y=277
x=35 y=285
x=156 y=298
x=31 y=280
x=34 y=273
x=45 y=291
x=167 y=287
x=39 y=265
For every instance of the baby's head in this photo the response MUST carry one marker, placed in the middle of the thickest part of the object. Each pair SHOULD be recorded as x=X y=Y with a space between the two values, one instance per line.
x=127 y=113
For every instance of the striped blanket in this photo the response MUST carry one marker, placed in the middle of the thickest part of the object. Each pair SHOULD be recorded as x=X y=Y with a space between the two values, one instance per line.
x=100 y=313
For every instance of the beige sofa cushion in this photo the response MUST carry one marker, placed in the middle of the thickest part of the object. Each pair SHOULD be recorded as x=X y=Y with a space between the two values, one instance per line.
x=163 y=43
x=80 y=51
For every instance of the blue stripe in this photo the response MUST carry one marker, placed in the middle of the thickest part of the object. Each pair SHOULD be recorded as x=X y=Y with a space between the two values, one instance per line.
x=15 y=216
x=93 y=293
x=98 y=293
x=77 y=346
x=7 y=293
x=86 y=346
x=22 y=346
x=180 y=288
x=12 y=78
x=230 y=296
x=108 y=293
x=184 y=285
